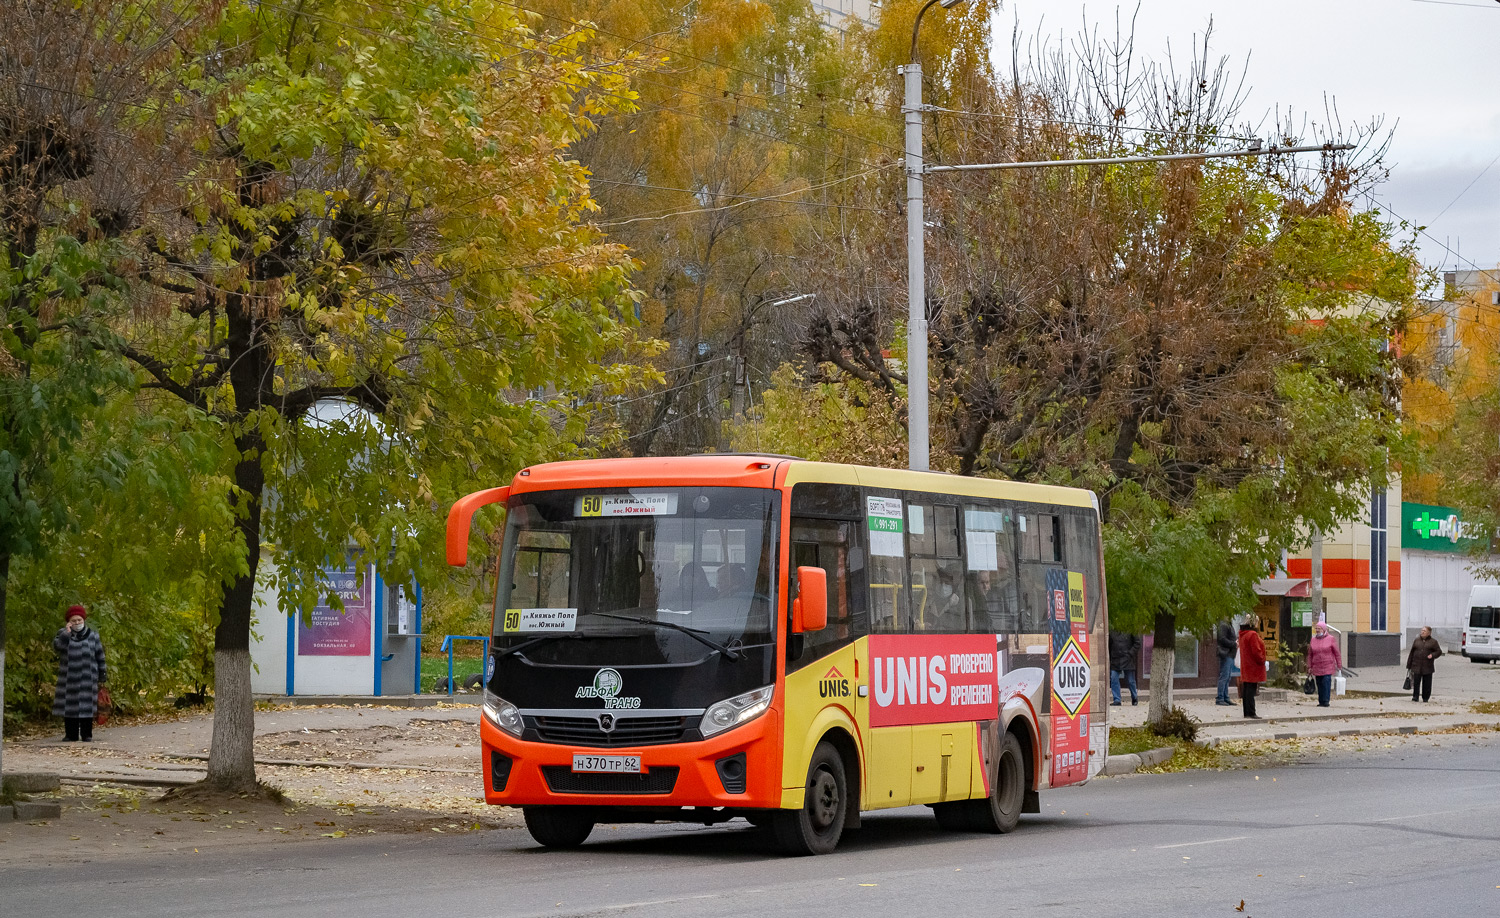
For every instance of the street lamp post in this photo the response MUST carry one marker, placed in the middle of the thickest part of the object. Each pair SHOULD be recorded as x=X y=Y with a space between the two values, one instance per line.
x=917 y=443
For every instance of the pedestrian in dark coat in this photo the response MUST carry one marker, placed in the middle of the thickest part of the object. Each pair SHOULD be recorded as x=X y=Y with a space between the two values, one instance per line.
x=1228 y=643
x=80 y=672
x=1419 y=661
x=1252 y=666
x=1124 y=650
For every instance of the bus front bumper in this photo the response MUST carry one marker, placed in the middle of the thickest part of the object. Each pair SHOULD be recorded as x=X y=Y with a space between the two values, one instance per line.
x=524 y=773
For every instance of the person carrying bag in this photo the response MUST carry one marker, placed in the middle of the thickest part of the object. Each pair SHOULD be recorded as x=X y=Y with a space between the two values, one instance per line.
x=1419 y=663
x=1323 y=661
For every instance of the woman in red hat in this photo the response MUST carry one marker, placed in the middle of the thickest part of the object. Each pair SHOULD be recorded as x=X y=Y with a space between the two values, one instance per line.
x=80 y=672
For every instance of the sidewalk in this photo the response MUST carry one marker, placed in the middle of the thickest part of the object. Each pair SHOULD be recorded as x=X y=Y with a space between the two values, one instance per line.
x=1376 y=704
x=355 y=736
x=438 y=737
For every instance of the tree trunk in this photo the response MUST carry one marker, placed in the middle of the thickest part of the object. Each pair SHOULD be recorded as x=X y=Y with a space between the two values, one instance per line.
x=4 y=583
x=231 y=754
x=1163 y=661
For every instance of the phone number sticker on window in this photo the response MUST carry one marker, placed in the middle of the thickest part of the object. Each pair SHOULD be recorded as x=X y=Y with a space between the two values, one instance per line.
x=626 y=505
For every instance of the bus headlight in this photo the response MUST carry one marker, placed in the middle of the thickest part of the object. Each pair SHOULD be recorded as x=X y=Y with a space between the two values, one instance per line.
x=502 y=713
x=737 y=710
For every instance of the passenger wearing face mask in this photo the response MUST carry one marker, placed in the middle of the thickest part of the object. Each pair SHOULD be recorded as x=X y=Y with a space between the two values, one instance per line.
x=950 y=606
x=80 y=673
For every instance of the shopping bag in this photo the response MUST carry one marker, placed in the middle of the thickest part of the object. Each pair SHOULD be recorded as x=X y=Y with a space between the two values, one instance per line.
x=1407 y=684
x=1309 y=685
x=101 y=716
x=1339 y=684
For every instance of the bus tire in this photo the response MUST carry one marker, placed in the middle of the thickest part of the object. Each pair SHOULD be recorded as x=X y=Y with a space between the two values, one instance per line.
x=559 y=826
x=1001 y=810
x=817 y=826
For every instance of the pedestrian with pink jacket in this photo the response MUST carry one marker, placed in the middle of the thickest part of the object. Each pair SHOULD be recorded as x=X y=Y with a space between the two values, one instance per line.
x=1323 y=661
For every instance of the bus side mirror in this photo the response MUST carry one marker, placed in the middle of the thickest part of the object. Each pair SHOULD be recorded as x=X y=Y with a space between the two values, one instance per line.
x=810 y=608
x=461 y=515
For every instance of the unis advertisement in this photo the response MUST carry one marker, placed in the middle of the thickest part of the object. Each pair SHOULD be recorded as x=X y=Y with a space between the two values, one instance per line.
x=932 y=678
x=1070 y=677
x=334 y=632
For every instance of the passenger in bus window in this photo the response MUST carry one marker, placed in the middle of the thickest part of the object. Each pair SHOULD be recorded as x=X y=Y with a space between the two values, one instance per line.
x=947 y=615
x=733 y=580
x=692 y=585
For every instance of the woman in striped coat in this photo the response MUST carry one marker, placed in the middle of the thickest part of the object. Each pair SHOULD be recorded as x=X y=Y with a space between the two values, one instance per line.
x=80 y=672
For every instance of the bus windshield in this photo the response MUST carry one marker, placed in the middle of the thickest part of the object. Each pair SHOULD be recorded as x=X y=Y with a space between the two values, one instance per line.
x=683 y=572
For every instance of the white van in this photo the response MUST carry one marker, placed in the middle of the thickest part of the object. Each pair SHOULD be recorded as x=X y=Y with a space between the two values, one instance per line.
x=1481 y=640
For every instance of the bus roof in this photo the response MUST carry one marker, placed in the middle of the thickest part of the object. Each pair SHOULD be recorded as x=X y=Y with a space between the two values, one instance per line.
x=745 y=470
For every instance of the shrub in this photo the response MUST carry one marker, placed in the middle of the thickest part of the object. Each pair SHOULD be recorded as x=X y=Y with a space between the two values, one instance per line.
x=1176 y=723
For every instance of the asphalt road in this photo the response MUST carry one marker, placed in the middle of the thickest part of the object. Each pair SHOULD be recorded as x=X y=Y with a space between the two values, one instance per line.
x=1411 y=830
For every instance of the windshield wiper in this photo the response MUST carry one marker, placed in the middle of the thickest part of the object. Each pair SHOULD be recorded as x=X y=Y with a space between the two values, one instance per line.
x=540 y=639
x=697 y=634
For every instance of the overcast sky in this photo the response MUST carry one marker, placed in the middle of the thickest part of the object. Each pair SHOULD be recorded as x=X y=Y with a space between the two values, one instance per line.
x=1431 y=69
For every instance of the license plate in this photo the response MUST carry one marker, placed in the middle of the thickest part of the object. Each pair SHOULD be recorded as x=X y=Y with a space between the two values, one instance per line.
x=1481 y=639
x=628 y=764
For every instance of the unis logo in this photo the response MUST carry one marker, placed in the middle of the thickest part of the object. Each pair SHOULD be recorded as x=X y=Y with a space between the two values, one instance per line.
x=1070 y=678
x=607 y=684
x=834 y=684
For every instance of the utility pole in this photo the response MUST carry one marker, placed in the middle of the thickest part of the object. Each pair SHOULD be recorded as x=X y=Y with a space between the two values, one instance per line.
x=1316 y=590
x=917 y=438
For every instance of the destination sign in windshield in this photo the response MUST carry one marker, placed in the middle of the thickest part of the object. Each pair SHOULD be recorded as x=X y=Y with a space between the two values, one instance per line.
x=662 y=504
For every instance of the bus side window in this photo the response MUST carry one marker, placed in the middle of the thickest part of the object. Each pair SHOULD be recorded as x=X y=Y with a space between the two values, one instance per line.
x=990 y=559
x=1040 y=550
x=828 y=544
x=887 y=522
x=937 y=582
x=1081 y=547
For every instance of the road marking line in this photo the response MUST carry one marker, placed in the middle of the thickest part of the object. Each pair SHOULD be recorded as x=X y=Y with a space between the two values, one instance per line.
x=1211 y=841
x=626 y=905
x=1467 y=809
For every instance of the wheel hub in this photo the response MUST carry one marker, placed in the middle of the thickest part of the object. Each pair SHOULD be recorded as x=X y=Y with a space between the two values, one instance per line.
x=825 y=804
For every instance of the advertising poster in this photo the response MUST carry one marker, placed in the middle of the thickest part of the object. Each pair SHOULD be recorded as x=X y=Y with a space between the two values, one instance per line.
x=932 y=678
x=338 y=632
x=1071 y=678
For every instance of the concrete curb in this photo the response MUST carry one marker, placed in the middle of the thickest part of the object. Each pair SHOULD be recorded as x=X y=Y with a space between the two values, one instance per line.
x=1430 y=727
x=386 y=701
x=29 y=782
x=30 y=810
x=1130 y=762
x=325 y=763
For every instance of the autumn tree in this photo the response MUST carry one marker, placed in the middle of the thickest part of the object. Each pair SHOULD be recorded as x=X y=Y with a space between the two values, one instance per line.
x=75 y=82
x=753 y=125
x=368 y=282
x=1201 y=343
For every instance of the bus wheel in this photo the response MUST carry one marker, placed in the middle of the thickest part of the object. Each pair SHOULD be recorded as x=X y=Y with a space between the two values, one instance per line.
x=816 y=827
x=1001 y=810
x=559 y=826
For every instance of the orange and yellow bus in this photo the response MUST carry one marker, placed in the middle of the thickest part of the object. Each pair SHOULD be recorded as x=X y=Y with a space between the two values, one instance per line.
x=791 y=642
